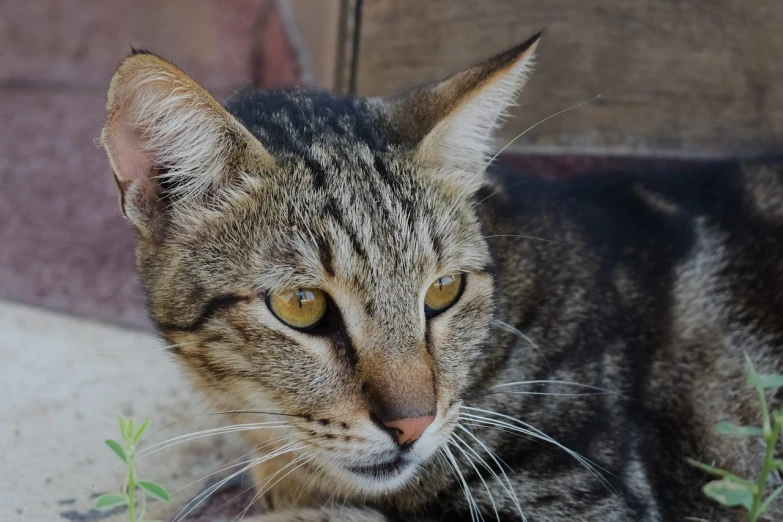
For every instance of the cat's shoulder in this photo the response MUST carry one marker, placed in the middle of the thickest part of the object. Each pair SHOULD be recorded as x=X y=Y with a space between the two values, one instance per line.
x=666 y=188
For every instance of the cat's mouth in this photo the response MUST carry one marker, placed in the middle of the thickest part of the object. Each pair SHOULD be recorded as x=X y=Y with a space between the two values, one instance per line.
x=383 y=470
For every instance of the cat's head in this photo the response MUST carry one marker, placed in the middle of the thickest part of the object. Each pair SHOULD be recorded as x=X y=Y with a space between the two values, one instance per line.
x=316 y=256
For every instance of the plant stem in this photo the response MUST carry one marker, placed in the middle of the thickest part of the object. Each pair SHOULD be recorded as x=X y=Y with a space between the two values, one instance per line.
x=772 y=438
x=131 y=486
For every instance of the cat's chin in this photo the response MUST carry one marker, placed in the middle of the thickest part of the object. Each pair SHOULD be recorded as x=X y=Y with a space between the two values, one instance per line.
x=376 y=479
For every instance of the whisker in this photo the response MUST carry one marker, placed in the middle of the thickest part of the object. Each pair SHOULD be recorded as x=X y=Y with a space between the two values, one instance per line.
x=233 y=463
x=475 y=514
x=217 y=430
x=548 y=393
x=483 y=422
x=520 y=236
x=299 y=491
x=201 y=497
x=542 y=382
x=330 y=501
x=461 y=243
x=508 y=328
x=342 y=508
x=507 y=145
x=244 y=491
x=225 y=412
x=498 y=191
x=260 y=412
x=182 y=419
x=513 y=430
x=146 y=452
x=478 y=473
x=161 y=349
x=261 y=492
x=502 y=426
x=498 y=461
x=205 y=494
x=535 y=432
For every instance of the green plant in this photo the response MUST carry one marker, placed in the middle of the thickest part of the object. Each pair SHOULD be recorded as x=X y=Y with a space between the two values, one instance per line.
x=127 y=453
x=732 y=490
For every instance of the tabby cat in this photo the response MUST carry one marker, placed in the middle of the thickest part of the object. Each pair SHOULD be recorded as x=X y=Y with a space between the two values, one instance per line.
x=408 y=337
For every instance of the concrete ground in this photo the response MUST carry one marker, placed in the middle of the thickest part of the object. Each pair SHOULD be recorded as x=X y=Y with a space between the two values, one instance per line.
x=62 y=382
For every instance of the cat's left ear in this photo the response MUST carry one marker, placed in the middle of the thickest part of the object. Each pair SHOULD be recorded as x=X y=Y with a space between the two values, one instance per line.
x=171 y=145
x=453 y=122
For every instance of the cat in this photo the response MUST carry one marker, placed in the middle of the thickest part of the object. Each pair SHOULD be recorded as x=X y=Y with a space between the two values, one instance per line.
x=408 y=335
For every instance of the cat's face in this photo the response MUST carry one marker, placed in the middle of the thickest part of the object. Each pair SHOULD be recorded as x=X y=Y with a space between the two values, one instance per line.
x=325 y=308
x=306 y=266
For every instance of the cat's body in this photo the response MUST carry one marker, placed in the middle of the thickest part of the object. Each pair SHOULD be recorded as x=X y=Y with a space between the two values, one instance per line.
x=652 y=286
x=597 y=334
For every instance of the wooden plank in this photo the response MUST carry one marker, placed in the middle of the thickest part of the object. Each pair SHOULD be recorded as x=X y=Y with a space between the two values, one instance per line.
x=685 y=77
x=317 y=27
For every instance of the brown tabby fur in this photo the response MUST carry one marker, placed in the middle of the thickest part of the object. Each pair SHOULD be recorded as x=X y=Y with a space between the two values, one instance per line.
x=647 y=287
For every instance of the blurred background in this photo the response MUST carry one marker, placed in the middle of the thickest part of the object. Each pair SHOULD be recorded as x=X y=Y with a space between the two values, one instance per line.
x=680 y=81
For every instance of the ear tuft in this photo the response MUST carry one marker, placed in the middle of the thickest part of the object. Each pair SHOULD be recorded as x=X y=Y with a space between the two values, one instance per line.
x=138 y=50
x=166 y=137
x=161 y=124
x=453 y=122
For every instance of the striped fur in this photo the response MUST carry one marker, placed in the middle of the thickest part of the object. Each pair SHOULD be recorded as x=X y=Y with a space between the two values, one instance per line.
x=599 y=337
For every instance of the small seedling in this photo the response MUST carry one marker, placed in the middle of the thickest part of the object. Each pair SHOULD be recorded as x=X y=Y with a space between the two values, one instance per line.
x=128 y=495
x=732 y=490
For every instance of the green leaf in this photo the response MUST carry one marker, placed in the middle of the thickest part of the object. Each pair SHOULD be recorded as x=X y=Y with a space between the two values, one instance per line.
x=110 y=500
x=727 y=428
x=731 y=491
x=128 y=431
x=708 y=469
x=751 y=368
x=115 y=446
x=140 y=432
x=122 y=421
x=778 y=464
x=767 y=381
x=155 y=490
x=739 y=480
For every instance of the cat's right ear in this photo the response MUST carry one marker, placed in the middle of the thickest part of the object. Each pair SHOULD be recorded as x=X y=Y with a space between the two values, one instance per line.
x=452 y=123
x=169 y=142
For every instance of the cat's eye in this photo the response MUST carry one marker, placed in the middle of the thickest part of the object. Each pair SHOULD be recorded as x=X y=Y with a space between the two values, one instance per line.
x=442 y=294
x=303 y=309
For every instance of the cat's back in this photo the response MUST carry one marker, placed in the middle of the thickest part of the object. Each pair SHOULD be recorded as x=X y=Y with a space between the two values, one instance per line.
x=673 y=234
x=672 y=275
x=659 y=213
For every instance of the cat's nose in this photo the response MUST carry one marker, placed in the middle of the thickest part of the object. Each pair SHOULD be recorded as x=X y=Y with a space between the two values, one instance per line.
x=410 y=429
x=400 y=392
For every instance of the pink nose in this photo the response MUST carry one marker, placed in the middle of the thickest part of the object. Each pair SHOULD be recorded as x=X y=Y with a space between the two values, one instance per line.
x=410 y=429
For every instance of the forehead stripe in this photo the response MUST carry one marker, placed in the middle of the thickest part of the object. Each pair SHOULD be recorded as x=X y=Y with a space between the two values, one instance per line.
x=333 y=212
x=214 y=306
x=325 y=256
x=317 y=170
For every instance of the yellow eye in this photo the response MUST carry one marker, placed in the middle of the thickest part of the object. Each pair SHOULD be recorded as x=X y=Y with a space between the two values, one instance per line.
x=302 y=309
x=442 y=293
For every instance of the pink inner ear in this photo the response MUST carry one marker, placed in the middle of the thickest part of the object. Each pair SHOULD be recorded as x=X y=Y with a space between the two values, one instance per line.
x=132 y=163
